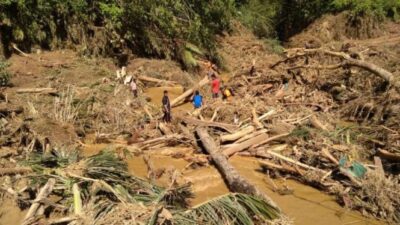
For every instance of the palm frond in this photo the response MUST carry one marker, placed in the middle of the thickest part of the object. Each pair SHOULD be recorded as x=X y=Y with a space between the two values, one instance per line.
x=229 y=209
x=194 y=49
x=55 y=159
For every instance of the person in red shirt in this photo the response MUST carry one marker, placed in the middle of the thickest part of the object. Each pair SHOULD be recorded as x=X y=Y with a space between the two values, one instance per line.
x=215 y=85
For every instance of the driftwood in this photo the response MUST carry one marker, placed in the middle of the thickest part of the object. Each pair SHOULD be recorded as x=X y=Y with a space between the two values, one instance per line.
x=388 y=155
x=8 y=110
x=14 y=46
x=237 y=135
x=234 y=180
x=52 y=91
x=228 y=127
x=253 y=143
x=246 y=144
x=155 y=80
x=10 y=171
x=43 y=193
x=189 y=92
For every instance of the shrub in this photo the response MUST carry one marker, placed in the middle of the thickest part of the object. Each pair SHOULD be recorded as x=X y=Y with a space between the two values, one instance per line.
x=4 y=74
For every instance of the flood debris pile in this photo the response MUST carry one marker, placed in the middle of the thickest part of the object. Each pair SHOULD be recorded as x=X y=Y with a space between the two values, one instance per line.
x=64 y=188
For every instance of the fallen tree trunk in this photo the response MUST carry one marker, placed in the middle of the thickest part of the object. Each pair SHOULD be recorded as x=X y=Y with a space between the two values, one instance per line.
x=37 y=90
x=155 y=80
x=234 y=180
x=43 y=193
x=228 y=127
x=237 y=135
x=10 y=171
x=388 y=155
x=347 y=61
x=189 y=92
x=246 y=144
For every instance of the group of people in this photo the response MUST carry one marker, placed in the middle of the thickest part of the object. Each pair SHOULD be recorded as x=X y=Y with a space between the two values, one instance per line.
x=197 y=100
x=216 y=88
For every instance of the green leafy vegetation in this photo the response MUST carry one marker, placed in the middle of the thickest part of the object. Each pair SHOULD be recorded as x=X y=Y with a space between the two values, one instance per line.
x=162 y=29
x=380 y=8
x=4 y=74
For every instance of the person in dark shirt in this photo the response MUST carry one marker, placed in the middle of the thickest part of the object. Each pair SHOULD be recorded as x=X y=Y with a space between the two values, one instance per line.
x=166 y=108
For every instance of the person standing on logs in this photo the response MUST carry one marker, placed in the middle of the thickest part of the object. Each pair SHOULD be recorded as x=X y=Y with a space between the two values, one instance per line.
x=215 y=85
x=253 y=68
x=166 y=108
x=197 y=100
x=134 y=87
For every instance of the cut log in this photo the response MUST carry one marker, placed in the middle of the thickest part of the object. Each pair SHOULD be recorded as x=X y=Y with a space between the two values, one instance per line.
x=235 y=182
x=43 y=193
x=11 y=171
x=155 y=80
x=189 y=92
x=388 y=155
x=228 y=127
x=235 y=136
x=52 y=91
x=4 y=110
x=246 y=144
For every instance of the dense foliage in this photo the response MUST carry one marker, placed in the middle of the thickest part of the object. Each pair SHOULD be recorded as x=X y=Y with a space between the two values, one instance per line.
x=162 y=28
x=4 y=75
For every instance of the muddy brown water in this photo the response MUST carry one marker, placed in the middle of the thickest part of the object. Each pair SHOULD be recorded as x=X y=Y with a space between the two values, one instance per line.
x=306 y=205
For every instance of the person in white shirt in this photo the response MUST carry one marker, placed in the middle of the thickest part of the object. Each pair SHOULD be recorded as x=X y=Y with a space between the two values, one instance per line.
x=134 y=88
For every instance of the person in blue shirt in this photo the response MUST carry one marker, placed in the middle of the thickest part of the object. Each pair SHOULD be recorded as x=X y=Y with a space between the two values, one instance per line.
x=197 y=100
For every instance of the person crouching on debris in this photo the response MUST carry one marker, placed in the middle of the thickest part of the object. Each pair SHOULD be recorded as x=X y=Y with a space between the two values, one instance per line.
x=227 y=93
x=134 y=88
x=197 y=100
x=215 y=85
x=166 y=108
